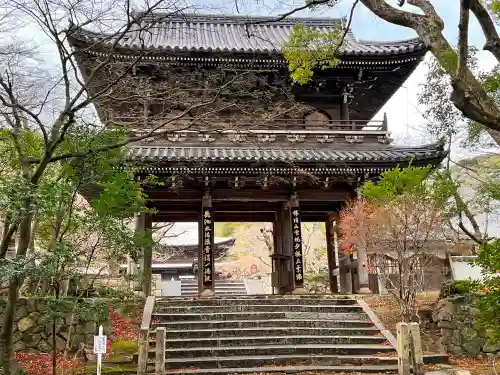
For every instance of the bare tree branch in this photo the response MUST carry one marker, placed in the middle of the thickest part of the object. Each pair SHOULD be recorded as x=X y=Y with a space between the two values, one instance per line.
x=468 y=95
x=488 y=27
x=468 y=232
x=463 y=42
x=307 y=5
x=347 y=27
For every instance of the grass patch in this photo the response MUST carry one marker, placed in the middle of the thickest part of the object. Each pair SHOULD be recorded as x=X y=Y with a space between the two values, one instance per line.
x=108 y=369
x=121 y=346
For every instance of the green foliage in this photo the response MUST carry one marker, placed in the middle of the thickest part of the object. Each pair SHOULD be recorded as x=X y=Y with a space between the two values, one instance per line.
x=105 y=292
x=489 y=256
x=451 y=288
x=309 y=49
x=399 y=183
x=226 y=229
x=489 y=305
x=489 y=300
x=69 y=230
x=495 y=7
x=121 y=196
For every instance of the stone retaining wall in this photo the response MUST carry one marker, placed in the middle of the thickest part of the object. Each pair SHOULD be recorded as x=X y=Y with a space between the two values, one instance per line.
x=33 y=329
x=456 y=317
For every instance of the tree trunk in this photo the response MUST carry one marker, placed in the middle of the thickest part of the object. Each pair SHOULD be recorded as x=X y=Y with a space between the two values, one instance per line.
x=54 y=347
x=7 y=233
x=7 y=350
x=15 y=283
x=32 y=282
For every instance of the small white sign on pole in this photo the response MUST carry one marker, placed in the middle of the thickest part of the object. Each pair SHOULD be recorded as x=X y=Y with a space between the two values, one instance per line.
x=99 y=348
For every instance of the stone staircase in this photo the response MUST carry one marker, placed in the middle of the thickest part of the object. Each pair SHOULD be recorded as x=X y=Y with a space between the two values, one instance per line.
x=263 y=334
x=189 y=288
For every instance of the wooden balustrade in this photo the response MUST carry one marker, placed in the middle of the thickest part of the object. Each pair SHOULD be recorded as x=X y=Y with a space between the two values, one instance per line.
x=242 y=124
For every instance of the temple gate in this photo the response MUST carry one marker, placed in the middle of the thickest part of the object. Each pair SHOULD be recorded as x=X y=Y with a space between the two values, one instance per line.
x=284 y=166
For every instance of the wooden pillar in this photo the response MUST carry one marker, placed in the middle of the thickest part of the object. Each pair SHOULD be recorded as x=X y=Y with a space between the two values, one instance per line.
x=331 y=249
x=206 y=269
x=143 y=223
x=344 y=107
x=298 y=261
x=385 y=126
x=275 y=262
x=282 y=273
x=362 y=269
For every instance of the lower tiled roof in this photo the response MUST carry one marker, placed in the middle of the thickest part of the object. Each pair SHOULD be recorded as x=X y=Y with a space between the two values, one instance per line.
x=162 y=154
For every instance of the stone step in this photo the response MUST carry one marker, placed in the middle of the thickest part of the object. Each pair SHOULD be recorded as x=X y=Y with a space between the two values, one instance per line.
x=318 y=349
x=221 y=342
x=255 y=315
x=278 y=360
x=218 y=292
x=260 y=308
x=368 y=369
x=251 y=300
x=263 y=323
x=221 y=287
x=270 y=331
x=227 y=281
x=217 y=286
x=191 y=290
x=310 y=370
x=283 y=362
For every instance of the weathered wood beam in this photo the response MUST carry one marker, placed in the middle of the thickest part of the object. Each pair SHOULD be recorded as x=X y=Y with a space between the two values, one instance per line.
x=336 y=193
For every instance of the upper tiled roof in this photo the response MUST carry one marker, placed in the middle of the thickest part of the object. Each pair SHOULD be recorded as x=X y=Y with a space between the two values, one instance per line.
x=214 y=33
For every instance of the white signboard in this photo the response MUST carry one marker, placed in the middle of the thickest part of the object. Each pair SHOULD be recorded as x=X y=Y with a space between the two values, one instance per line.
x=100 y=344
x=99 y=348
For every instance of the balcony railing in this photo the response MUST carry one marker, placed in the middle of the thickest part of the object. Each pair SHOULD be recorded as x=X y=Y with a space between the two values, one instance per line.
x=292 y=131
x=235 y=124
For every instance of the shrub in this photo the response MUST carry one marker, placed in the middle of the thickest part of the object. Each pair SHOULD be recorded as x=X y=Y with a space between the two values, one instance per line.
x=113 y=293
x=462 y=287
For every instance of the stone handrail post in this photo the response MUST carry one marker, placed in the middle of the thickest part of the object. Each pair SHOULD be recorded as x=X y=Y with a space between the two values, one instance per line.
x=144 y=336
x=409 y=347
x=160 y=351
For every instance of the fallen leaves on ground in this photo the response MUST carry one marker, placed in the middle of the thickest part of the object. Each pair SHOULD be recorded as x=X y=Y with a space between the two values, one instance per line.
x=308 y=373
x=41 y=363
x=387 y=309
x=477 y=366
x=123 y=328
